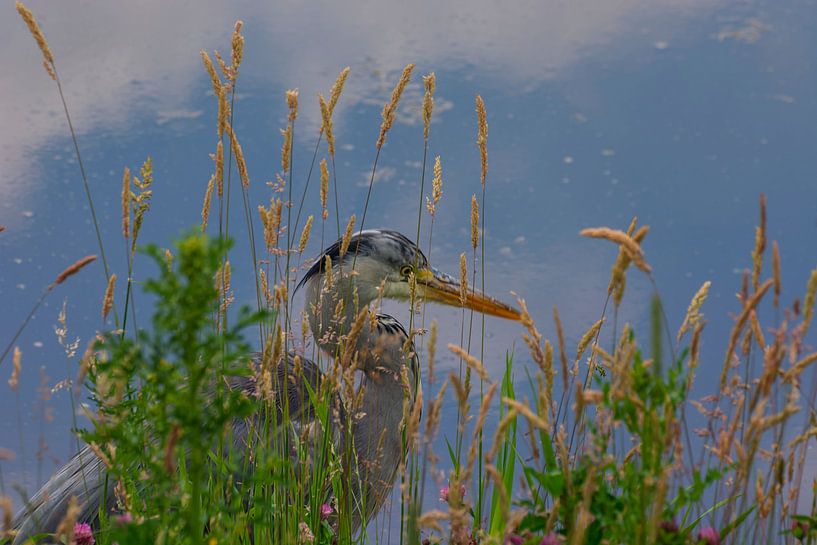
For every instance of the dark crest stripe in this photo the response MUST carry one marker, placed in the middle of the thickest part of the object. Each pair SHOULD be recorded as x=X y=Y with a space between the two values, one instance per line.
x=364 y=244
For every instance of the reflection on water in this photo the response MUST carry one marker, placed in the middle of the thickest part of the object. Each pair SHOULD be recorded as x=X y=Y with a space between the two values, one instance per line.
x=679 y=112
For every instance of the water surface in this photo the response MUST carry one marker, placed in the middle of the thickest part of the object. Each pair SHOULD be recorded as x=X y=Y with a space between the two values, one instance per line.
x=678 y=111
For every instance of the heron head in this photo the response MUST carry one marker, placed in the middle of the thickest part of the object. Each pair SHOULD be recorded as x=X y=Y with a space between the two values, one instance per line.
x=389 y=259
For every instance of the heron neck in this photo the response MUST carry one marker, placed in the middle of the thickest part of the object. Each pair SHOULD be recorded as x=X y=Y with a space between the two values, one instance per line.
x=377 y=434
x=333 y=306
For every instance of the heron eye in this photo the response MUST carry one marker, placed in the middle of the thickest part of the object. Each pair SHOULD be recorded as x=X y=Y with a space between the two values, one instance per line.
x=405 y=271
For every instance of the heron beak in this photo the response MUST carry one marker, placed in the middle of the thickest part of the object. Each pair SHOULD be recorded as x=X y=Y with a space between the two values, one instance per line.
x=434 y=285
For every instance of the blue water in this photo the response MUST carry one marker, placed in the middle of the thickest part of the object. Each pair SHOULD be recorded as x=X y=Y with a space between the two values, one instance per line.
x=680 y=112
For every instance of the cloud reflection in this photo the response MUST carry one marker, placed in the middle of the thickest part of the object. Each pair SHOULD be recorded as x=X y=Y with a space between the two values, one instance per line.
x=122 y=62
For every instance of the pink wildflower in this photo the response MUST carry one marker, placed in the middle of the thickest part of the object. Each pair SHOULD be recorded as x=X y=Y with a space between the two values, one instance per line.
x=123 y=518
x=709 y=536
x=83 y=535
x=326 y=510
x=446 y=491
x=550 y=539
x=514 y=539
x=444 y=494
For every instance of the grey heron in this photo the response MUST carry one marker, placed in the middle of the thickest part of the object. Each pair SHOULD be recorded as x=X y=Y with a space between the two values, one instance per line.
x=375 y=264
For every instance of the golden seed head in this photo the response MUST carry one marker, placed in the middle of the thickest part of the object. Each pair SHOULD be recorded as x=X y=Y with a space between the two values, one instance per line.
x=436 y=187
x=286 y=148
x=326 y=126
x=470 y=360
x=49 y=68
x=808 y=301
x=474 y=221
x=328 y=273
x=305 y=234
x=482 y=137
x=107 y=301
x=228 y=275
x=694 y=316
x=141 y=203
x=587 y=337
x=16 y=368
x=265 y=286
x=220 y=169
x=432 y=210
x=347 y=236
x=757 y=255
x=324 y=186
x=636 y=254
x=205 y=207
x=73 y=269
x=463 y=279
x=292 y=104
x=39 y=37
x=430 y=83
x=237 y=49
x=390 y=108
x=760 y=244
x=337 y=89
x=437 y=182
x=224 y=68
x=223 y=111
x=126 y=203
x=211 y=70
x=749 y=305
x=239 y=157
x=271 y=220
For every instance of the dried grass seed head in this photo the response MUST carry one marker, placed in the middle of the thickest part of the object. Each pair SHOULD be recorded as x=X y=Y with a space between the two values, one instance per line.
x=286 y=148
x=760 y=244
x=482 y=138
x=632 y=247
x=107 y=301
x=211 y=71
x=470 y=360
x=126 y=177
x=305 y=233
x=776 y=272
x=237 y=50
x=347 y=236
x=292 y=104
x=73 y=269
x=474 y=221
x=220 y=169
x=205 y=207
x=429 y=83
x=808 y=301
x=463 y=279
x=39 y=37
x=390 y=108
x=324 y=187
x=16 y=367
x=223 y=111
x=326 y=126
x=337 y=89
x=436 y=188
x=693 y=315
x=239 y=157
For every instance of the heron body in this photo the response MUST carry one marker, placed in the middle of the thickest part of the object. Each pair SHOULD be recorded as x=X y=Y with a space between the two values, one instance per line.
x=339 y=289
